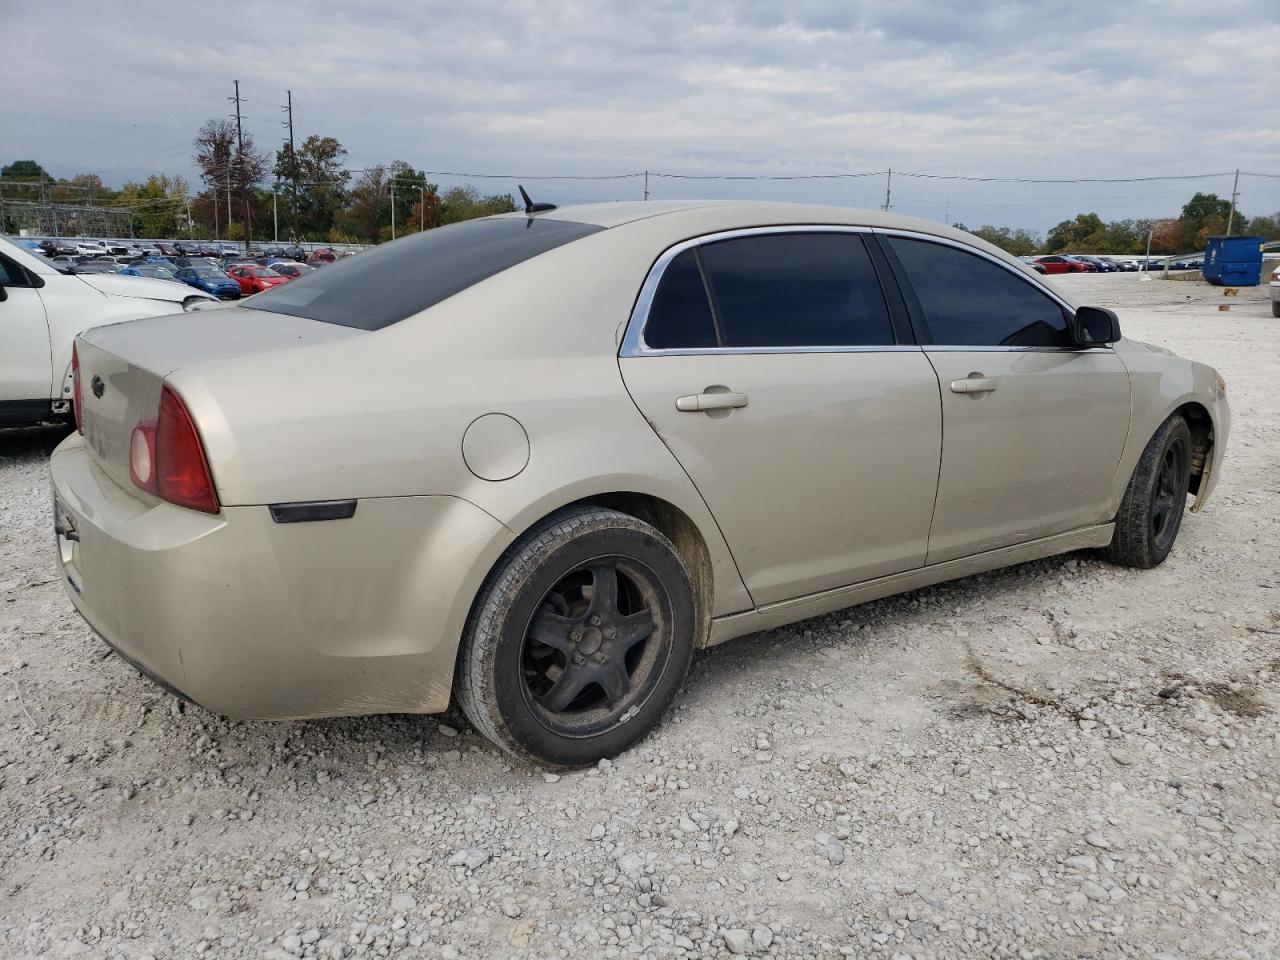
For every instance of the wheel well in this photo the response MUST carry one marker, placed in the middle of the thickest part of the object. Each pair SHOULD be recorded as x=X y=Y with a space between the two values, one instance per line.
x=683 y=534
x=1201 y=425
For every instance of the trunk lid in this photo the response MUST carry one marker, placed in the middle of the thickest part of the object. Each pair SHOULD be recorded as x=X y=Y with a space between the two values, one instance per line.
x=123 y=367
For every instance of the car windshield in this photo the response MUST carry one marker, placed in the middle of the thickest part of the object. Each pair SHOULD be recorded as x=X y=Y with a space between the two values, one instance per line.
x=207 y=273
x=389 y=283
x=263 y=272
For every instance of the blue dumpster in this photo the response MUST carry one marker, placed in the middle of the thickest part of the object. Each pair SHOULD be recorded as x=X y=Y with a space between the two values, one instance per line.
x=1233 y=261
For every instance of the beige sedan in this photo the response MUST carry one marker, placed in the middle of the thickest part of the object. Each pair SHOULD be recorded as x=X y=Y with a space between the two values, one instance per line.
x=532 y=462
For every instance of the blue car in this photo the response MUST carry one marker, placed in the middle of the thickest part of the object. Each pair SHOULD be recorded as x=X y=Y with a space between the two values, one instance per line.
x=210 y=280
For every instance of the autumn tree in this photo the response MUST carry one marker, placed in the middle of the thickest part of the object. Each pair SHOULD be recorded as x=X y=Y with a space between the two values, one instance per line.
x=224 y=166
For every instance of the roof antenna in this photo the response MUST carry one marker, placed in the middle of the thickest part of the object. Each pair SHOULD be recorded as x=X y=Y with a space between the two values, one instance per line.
x=530 y=206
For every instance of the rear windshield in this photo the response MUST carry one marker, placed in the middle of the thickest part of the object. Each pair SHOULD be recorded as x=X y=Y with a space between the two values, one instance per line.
x=383 y=286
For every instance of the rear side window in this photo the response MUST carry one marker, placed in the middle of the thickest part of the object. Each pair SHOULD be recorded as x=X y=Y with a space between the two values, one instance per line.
x=389 y=283
x=680 y=315
x=796 y=290
x=969 y=301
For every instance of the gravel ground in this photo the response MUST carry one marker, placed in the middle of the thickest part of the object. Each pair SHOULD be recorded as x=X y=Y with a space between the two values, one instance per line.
x=1063 y=759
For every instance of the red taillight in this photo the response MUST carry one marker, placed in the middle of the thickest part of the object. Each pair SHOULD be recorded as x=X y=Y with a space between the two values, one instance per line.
x=180 y=469
x=77 y=404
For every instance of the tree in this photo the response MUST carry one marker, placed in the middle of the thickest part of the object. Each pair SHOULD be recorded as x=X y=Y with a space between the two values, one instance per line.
x=322 y=182
x=1020 y=242
x=1081 y=235
x=466 y=203
x=368 y=207
x=223 y=166
x=24 y=179
x=159 y=205
x=410 y=187
x=1266 y=227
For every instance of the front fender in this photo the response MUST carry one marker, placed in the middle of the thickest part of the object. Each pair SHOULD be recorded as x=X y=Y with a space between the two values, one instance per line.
x=1162 y=383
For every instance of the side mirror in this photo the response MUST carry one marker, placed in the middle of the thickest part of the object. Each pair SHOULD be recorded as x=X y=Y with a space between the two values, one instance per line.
x=1094 y=327
x=4 y=294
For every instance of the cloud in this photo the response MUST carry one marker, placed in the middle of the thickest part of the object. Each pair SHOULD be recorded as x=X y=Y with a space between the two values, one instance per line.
x=984 y=88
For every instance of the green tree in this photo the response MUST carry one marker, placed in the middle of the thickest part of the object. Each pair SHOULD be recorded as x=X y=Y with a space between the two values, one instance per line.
x=1020 y=242
x=158 y=204
x=1266 y=227
x=322 y=183
x=368 y=206
x=466 y=203
x=411 y=188
x=1081 y=235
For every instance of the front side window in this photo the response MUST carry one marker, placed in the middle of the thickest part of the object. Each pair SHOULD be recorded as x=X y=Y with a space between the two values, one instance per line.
x=968 y=300
x=770 y=290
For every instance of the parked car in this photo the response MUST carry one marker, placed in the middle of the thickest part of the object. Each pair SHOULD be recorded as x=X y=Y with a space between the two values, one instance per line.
x=1056 y=263
x=254 y=278
x=41 y=311
x=211 y=280
x=321 y=256
x=1034 y=264
x=153 y=270
x=1274 y=287
x=292 y=271
x=89 y=248
x=98 y=265
x=587 y=513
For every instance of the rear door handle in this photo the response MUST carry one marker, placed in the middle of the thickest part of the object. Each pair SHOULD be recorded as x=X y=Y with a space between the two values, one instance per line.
x=710 y=401
x=973 y=385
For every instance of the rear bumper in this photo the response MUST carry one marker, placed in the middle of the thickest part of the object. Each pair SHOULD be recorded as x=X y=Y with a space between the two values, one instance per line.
x=255 y=619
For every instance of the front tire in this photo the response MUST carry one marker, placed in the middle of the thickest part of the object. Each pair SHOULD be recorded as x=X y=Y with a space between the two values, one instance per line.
x=579 y=639
x=1151 y=511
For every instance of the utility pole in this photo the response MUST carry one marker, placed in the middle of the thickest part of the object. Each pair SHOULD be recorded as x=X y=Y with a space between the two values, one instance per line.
x=646 y=184
x=275 y=220
x=188 y=214
x=1235 y=192
x=393 y=209
x=229 y=197
x=422 y=209
x=244 y=187
x=888 y=183
x=293 y=172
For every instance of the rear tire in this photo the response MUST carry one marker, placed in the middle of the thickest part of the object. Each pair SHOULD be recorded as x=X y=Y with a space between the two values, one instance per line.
x=1151 y=511
x=1275 y=308
x=579 y=639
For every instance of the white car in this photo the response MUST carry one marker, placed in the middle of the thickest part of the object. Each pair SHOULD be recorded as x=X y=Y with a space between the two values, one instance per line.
x=42 y=310
x=90 y=248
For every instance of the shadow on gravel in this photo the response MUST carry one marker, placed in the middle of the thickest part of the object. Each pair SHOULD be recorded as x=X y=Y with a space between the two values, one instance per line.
x=30 y=443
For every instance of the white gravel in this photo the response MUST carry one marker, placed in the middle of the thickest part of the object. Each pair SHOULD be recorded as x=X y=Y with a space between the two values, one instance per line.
x=1064 y=759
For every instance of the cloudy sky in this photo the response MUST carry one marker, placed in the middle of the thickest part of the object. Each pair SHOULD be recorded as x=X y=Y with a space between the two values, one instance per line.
x=1040 y=91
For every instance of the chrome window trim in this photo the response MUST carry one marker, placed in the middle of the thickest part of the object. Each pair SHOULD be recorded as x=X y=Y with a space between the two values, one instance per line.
x=1031 y=277
x=633 y=344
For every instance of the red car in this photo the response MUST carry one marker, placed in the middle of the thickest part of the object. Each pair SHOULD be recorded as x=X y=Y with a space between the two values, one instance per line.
x=1059 y=264
x=321 y=256
x=292 y=271
x=254 y=279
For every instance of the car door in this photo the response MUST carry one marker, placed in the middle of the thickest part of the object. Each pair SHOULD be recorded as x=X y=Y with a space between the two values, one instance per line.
x=1033 y=427
x=769 y=363
x=25 y=362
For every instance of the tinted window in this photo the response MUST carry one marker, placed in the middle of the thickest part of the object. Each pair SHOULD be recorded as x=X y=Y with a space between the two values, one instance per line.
x=680 y=316
x=970 y=301
x=10 y=274
x=799 y=289
x=384 y=285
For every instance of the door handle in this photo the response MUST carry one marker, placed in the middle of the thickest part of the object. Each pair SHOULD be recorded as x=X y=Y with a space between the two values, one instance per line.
x=973 y=385
x=710 y=401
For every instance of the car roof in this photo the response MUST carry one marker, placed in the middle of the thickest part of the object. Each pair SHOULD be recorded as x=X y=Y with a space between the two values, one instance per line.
x=693 y=217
